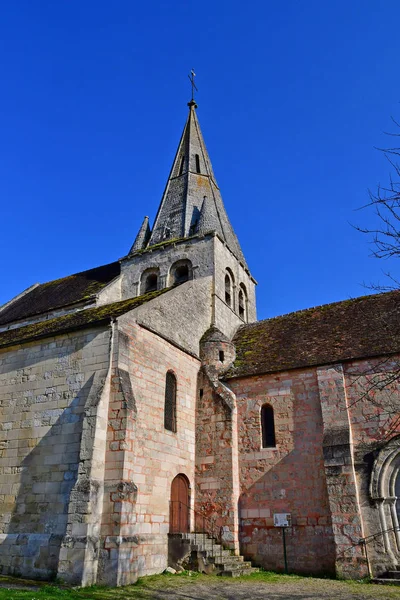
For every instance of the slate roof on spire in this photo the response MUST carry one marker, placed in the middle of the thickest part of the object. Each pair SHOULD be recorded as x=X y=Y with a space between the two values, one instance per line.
x=192 y=201
x=142 y=237
x=208 y=220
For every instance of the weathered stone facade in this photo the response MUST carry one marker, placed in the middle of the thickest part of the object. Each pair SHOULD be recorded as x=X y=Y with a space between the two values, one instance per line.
x=287 y=415
x=46 y=389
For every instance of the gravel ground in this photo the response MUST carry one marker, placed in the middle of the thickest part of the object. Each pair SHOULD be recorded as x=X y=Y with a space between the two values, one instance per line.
x=217 y=588
x=304 y=589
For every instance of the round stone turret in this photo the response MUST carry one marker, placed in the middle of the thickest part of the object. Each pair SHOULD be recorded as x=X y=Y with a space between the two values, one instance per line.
x=216 y=350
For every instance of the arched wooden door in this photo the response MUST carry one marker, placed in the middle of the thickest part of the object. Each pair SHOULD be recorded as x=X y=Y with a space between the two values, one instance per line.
x=179 y=505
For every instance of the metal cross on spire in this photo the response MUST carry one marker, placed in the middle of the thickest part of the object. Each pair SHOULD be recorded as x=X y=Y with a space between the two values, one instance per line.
x=191 y=77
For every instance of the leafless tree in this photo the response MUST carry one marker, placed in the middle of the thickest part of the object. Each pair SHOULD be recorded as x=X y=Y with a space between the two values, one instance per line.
x=379 y=385
x=385 y=238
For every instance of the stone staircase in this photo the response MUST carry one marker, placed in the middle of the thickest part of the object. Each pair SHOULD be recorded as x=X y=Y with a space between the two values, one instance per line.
x=390 y=577
x=199 y=552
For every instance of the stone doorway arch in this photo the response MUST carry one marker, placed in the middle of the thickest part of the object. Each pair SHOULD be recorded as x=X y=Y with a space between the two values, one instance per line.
x=384 y=492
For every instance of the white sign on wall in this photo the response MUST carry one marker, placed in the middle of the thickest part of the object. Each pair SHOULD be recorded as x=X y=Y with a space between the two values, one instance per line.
x=282 y=519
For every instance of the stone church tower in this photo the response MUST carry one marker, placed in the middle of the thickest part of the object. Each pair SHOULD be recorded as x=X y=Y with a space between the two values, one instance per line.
x=192 y=240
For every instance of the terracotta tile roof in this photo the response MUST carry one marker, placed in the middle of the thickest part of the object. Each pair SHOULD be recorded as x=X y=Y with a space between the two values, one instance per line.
x=80 y=287
x=362 y=327
x=81 y=319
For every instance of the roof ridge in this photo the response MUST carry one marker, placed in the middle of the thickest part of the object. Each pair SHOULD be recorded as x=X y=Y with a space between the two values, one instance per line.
x=59 y=293
x=115 y=262
x=75 y=320
x=311 y=308
x=353 y=329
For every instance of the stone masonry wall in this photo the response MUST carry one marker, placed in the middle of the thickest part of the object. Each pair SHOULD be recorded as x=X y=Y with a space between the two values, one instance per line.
x=375 y=428
x=340 y=474
x=288 y=478
x=172 y=314
x=204 y=296
x=227 y=317
x=217 y=489
x=143 y=457
x=45 y=388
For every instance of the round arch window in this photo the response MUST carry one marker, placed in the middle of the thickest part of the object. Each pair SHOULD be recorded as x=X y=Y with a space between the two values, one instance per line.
x=181 y=271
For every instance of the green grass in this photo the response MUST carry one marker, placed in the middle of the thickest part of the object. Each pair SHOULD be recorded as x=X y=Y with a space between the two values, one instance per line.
x=138 y=591
x=142 y=590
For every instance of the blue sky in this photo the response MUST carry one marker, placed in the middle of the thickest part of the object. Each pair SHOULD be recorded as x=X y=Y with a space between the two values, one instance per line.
x=293 y=98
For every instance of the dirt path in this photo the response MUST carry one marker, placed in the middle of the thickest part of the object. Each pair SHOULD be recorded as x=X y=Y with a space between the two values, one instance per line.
x=217 y=588
x=304 y=589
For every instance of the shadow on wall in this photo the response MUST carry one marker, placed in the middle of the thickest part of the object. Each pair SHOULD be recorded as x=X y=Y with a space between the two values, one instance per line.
x=30 y=544
x=292 y=481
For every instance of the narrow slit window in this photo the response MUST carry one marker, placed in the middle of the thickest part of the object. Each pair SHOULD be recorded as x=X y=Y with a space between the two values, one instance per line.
x=221 y=356
x=197 y=157
x=241 y=305
x=170 y=402
x=267 y=426
x=228 y=290
x=242 y=302
x=181 y=165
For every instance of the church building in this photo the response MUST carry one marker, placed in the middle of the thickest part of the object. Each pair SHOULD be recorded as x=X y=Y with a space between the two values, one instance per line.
x=142 y=400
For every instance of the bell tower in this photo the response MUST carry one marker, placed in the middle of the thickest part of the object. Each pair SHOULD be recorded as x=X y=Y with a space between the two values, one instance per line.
x=191 y=245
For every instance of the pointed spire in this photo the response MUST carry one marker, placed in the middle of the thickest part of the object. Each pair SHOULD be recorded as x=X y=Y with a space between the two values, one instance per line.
x=208 y=219
x=142 y=237
x=191 y=180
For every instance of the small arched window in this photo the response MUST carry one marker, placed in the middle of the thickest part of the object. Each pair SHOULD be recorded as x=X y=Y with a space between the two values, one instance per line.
x=267 y=426
x=229 y=287
x=197 y=157
x=170 y=402
x=149 y=281
x=181 y=271
x=242 y=302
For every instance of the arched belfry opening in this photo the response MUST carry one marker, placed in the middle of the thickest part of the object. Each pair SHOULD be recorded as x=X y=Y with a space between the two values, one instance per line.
x=179 y=513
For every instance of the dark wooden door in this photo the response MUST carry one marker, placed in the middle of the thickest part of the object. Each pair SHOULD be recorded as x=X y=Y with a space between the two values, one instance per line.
x=179 y=507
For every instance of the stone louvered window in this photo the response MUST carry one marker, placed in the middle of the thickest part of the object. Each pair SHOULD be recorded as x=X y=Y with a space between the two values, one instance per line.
x=149 y=280
x=151 y=283
x=181 y=271
x=170 y=402
x=267 y=426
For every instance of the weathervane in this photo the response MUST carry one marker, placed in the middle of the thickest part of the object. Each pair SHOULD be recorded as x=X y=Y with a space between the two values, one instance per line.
x=191 y=77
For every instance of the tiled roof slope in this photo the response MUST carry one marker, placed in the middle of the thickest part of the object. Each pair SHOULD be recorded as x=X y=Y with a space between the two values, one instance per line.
x=79 y=287
x=73 y=321
x=362 y=327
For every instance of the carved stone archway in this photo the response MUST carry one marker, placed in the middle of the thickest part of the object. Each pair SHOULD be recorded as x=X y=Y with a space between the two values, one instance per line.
x=384 y=481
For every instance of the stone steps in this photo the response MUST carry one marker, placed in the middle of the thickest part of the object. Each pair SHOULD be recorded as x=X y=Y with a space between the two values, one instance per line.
x=390 y=577
x=235 y=569
x=214 y=557
x=385 y=581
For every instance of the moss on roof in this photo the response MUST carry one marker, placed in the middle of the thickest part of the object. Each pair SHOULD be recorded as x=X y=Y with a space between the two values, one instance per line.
x=81 y=319
x=77 y=288
x=163 y=244
x=362 y=327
